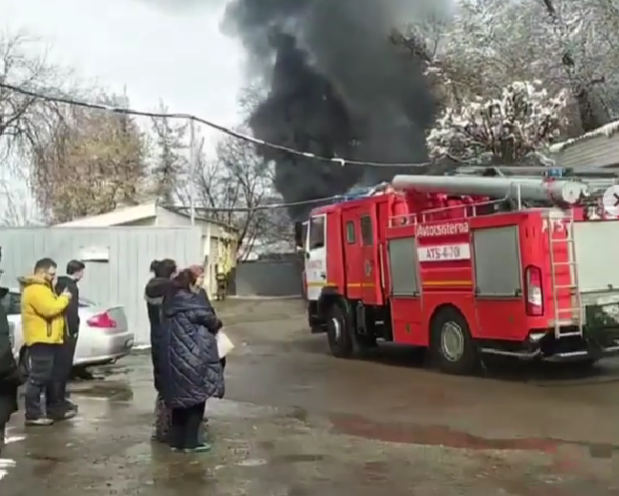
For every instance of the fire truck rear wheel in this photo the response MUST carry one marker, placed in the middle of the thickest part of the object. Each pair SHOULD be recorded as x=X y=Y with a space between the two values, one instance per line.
x=452 y=343
x=338 y=332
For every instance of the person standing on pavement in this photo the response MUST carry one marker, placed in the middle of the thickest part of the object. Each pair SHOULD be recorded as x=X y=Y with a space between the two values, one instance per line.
x=9 y=374
x=190 y=368
x=198 y=272
x=75 y=272
x=154 y=293
x=42 y=318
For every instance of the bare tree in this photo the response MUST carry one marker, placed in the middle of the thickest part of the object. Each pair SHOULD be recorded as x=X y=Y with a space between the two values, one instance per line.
x=25 y=120
x=170 y=161
x=92 y=162
x=235 y=187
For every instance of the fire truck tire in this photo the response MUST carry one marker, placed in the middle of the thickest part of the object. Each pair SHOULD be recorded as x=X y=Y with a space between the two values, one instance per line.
x=452 y=344
x=339 y=332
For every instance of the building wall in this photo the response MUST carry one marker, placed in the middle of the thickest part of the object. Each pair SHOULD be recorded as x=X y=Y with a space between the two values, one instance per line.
x=120 y=279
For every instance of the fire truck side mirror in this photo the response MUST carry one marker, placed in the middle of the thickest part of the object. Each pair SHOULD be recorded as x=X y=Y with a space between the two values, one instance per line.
x=298 y=235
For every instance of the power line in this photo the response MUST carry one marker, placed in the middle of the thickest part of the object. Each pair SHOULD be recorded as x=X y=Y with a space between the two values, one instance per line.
x=267 y=206
x=120 y=110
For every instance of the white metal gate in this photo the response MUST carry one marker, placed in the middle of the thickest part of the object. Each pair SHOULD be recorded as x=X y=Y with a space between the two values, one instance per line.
x=118 y=280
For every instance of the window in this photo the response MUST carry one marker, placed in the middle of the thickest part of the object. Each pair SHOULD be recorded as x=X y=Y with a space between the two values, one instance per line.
x=367 y=236
x=350 y=233
x=317 y=232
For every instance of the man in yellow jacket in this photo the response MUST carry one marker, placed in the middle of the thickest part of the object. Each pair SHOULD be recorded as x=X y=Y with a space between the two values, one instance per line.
x=43 y=321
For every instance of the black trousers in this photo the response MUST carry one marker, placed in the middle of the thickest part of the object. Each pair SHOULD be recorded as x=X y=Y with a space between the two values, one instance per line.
x=65 y=365
x=186 y=426
x=44 y=375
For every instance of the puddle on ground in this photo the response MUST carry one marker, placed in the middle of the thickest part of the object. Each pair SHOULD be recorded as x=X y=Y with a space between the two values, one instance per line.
x=252 y=462
x=298 y=413
x=107 y=390
x=375 y=471
x=432 y=435
x=237 y=409
x=297 y=458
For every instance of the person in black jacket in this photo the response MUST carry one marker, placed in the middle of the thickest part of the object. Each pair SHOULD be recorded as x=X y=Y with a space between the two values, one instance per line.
x=189 y=367
x=154 y=293
x=75 y=272
x=9 y=374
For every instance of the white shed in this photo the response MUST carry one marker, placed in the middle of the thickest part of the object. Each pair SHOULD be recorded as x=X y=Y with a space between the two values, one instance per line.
x=218 y=240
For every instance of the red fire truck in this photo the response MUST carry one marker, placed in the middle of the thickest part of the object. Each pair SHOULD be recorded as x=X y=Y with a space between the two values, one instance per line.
x=467 y=265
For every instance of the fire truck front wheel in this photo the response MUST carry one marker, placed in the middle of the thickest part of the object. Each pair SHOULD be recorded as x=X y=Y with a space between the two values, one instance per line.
x=338 y=332
x=452 y=343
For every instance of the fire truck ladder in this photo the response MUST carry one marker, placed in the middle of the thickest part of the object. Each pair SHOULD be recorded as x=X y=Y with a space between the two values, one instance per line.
x=575 y=309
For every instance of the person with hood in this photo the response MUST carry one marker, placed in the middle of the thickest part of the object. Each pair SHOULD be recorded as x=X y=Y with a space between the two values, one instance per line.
x=42 y=319
x=9 y=373
x=190 y=368
x=75 y=272
x=156 y=289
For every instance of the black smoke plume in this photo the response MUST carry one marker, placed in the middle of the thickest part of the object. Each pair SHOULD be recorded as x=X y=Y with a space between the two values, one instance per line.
x=338 y=88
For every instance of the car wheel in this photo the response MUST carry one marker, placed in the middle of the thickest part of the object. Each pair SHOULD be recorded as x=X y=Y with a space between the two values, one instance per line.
x=452 y=344
x=338 y=332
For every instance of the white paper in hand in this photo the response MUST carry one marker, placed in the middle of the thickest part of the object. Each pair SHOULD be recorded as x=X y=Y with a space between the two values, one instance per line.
x=224 y=345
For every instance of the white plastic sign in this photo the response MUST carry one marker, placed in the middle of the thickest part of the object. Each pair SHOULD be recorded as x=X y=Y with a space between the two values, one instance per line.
x=444 y=253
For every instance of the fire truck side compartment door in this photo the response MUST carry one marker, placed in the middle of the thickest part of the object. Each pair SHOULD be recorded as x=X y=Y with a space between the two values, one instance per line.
x=316 y=257
x=498 y=283
x=402 y=253
x=405 y=292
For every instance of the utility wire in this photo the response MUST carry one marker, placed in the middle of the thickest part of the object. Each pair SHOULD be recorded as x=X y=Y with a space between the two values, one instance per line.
x=266 y=206
x=226 y=130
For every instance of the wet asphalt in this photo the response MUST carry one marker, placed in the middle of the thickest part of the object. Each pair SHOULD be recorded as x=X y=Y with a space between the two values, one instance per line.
x=297 y=422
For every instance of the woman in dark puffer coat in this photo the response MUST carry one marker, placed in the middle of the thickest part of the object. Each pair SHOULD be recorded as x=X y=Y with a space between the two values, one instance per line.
x=189 y=361
x=156 y=289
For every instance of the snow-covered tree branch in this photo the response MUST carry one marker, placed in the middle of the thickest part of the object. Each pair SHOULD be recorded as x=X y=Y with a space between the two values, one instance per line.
x=524 y=118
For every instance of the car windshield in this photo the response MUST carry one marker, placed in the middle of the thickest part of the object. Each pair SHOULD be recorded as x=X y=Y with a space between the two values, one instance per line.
x=12 y=303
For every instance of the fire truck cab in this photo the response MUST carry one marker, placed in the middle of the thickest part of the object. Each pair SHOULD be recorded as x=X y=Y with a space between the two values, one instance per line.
x=466 y=266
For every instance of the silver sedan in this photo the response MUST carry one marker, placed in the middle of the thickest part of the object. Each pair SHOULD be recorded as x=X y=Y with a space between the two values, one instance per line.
x=103 y=335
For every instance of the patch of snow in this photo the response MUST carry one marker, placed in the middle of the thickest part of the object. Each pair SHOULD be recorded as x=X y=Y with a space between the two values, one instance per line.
x=523 y=119
x=607 y=130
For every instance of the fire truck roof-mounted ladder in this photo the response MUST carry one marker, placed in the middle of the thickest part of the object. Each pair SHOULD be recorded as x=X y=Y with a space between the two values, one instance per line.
x=552 y=189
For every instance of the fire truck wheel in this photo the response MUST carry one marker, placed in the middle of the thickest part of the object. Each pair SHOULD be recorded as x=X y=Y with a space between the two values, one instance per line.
x=452 y=343
x=338 y=332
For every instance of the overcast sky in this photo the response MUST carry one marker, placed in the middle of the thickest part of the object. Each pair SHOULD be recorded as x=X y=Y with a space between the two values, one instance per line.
x=156 y=51
x=179 y=56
